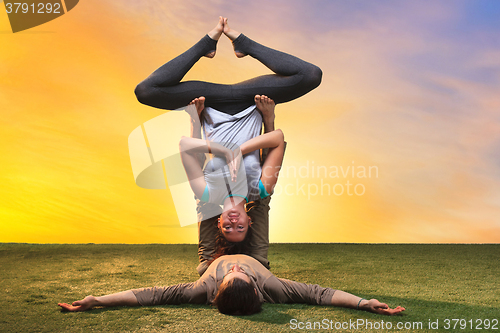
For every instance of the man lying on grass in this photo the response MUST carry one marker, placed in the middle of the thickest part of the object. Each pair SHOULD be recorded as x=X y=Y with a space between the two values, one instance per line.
x=237 y=285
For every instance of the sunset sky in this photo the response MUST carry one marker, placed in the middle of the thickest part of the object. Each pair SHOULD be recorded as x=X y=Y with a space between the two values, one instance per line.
x=410 y=92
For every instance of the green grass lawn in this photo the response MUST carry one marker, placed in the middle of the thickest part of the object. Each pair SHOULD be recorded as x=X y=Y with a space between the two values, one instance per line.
x=433 y=282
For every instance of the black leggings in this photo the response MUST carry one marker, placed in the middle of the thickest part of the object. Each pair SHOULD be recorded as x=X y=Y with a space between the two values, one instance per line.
x=293 y=78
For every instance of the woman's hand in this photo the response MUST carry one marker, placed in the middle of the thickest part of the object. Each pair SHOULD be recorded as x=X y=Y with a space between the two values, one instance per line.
x=236 y=162
x=233 y=160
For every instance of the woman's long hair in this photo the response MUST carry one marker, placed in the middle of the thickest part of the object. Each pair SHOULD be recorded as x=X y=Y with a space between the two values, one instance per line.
x=224 y=247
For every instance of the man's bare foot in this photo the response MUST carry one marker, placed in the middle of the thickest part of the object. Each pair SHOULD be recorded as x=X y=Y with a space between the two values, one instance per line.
x=266 y=106
x=232 y=35
x=215 y=34
x=199 y=103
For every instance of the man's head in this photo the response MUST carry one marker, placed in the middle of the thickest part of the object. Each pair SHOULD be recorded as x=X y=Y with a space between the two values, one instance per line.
x=236 y=295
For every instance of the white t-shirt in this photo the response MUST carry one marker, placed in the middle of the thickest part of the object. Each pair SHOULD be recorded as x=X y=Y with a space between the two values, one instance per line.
x=232 y=131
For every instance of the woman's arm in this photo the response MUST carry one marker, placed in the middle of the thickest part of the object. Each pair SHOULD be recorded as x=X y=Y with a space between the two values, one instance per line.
x=268 y=140
x=190 y=148
x=275 y=141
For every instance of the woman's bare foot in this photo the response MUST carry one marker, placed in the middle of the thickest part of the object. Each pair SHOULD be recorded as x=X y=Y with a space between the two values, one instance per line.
x=215 y=34
x=232 y=35
x=265 y=105
x=199 y=103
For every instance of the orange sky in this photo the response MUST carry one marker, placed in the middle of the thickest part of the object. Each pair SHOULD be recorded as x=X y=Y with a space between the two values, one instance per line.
x=408 y=90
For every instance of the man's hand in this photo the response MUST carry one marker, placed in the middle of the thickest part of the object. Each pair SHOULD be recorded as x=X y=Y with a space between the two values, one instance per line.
x=375 y=306
x=83 y=305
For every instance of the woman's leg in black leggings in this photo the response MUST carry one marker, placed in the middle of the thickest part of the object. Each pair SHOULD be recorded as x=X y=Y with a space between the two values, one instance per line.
x=294 y=78
x=163 y=89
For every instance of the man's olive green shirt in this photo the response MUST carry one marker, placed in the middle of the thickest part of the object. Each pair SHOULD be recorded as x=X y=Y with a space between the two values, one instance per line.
x=270 y=288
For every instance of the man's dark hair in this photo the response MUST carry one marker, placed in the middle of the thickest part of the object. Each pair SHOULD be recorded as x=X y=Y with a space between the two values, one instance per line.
x=237 y=298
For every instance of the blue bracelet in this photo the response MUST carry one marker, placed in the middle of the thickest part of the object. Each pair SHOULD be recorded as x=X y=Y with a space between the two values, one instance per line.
x=357 y=307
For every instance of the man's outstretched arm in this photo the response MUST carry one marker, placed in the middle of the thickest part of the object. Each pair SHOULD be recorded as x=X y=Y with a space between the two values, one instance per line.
x=346 y=300
x=182 y=293
x=124 y=298
x=286 y=291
